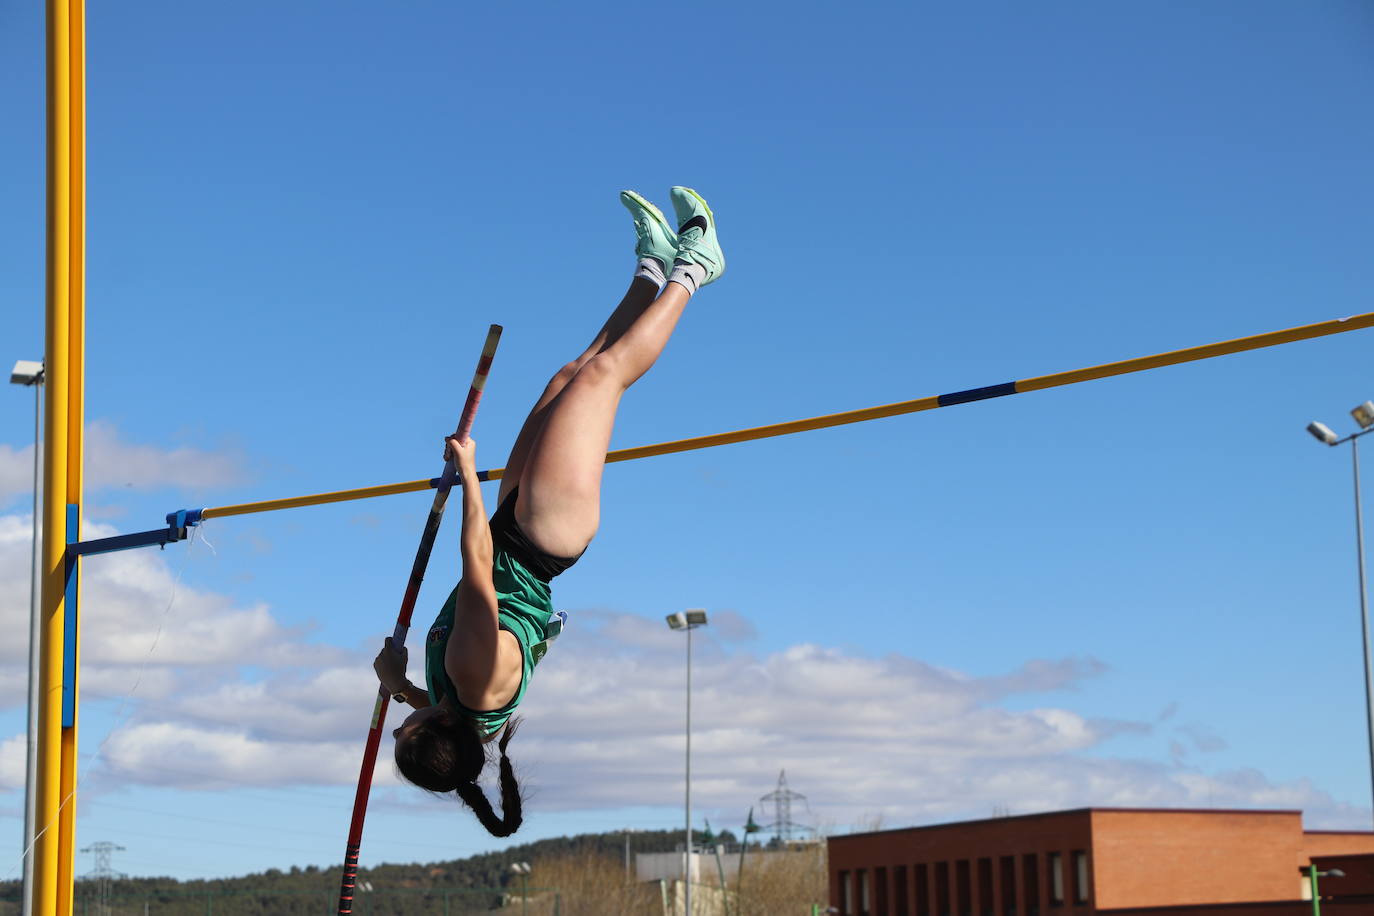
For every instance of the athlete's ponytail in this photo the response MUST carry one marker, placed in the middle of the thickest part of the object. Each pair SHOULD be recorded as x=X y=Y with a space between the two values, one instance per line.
x=445 y=753
x=473 y=796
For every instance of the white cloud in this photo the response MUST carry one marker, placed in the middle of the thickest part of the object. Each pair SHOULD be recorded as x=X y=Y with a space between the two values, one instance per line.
x=13 y=762
x=16 y=558
x=168 y=754
x=113 y=462
x=16 y=472
x=891 y=736
x=191 y=721
x=323 y=706
x=127 y=626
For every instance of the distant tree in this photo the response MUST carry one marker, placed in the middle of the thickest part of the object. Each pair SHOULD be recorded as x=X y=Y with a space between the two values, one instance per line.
x=475 y=884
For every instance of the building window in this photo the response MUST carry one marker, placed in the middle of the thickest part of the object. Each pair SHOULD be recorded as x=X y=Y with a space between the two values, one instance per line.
x=962 y=889
x=1007 y=865
x=1081 y=891
x=1055 y=866
x=862 y=875
x=901 y=896
x=1030 y=873
x=880 y=891
x=846 y=894
x=985 y=888
x=942 y=889
x=922 y=890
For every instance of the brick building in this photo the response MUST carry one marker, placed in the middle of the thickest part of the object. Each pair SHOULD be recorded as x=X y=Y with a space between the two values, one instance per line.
x=1119 y=861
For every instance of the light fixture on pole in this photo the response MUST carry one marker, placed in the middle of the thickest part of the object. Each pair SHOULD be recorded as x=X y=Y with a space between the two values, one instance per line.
x=29 y=373
x=26 y=372
x=1364 y=415
x=688 y=620
x=1312 y=881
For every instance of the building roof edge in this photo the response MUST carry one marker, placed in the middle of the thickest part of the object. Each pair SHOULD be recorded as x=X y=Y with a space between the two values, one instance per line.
x=1091 y=810
x=1339 y=832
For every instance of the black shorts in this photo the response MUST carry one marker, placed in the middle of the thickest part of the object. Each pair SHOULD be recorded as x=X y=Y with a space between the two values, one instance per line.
x=507 y=534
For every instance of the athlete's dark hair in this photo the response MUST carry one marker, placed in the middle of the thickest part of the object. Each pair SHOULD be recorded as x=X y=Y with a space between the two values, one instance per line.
x=444 y=752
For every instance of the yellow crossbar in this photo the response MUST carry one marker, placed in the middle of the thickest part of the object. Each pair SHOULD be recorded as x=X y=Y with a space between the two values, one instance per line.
x=1054 y=380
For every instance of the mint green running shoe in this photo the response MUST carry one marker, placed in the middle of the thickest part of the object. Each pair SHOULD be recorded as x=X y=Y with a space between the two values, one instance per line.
x=656 y=238
x=696 y=234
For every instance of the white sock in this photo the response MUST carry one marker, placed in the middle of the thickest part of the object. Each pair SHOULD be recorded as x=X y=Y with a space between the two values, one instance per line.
x=651 y=269
x=688 y=274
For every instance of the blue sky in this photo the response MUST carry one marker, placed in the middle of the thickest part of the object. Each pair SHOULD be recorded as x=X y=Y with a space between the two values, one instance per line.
x=302 y=219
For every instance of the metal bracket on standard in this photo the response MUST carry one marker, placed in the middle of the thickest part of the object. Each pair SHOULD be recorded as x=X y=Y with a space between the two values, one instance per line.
x=179 y=525
x=182 y=521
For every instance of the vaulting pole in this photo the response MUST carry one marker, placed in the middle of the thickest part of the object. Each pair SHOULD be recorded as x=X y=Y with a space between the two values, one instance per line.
x=398 y=636
x=65 y=280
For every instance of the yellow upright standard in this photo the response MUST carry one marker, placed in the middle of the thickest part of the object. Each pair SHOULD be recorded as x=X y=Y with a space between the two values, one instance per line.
x=56 y=783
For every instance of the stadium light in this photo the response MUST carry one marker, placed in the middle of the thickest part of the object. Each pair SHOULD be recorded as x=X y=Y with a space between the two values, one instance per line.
x=688 y=620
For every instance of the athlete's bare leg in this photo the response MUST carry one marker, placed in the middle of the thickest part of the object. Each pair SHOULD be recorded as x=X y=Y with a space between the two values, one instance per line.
x=560 y=478
x=637 y=298
x=559 y=455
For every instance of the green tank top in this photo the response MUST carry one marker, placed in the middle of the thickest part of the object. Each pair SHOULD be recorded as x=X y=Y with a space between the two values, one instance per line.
x=525 y=608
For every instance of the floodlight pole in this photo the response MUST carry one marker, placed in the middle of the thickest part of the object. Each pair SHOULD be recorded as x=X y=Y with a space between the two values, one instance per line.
x=31 y=375
x=688 y=621
x=1364 y=608
x=687 y=799
x=1324 y=434
x=35 y=659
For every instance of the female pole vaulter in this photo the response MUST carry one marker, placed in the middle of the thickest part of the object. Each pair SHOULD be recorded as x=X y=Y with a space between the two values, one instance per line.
x=497 y=623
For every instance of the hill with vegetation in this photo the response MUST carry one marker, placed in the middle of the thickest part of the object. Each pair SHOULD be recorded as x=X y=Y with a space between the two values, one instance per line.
x=475 y=884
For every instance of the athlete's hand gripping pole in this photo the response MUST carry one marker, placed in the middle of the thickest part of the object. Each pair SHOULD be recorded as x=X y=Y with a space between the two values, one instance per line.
x=398 y=638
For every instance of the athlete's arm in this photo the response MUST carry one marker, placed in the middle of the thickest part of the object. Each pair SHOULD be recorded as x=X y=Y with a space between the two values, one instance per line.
x=471 y=656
